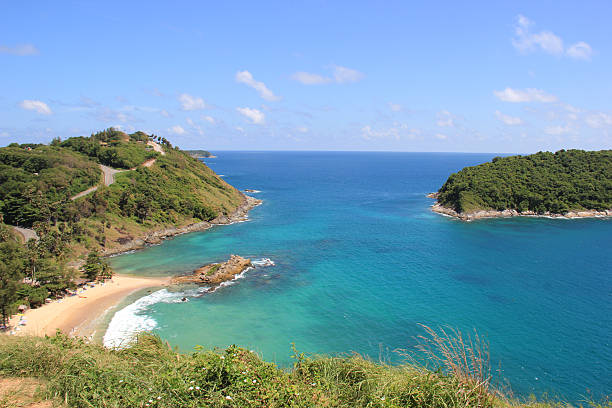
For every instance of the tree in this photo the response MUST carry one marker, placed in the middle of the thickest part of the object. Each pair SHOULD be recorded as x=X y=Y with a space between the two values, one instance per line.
x=96 y=268
x=11 y=266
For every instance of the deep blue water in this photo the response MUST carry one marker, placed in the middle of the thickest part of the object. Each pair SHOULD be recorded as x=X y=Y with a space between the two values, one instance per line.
x=361 y=261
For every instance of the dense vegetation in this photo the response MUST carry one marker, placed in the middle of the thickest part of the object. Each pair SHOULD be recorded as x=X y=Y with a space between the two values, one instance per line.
x=150 y=374
x=37 y=180
x=36 y=186
x=113 y=148
x=31 y=273
x=542 y=182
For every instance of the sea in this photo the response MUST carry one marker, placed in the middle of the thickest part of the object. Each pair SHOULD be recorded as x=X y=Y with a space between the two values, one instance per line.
x=361 y=263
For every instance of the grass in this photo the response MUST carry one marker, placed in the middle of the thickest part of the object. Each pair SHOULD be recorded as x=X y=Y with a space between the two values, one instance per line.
x=211 y=271
x=151 y=374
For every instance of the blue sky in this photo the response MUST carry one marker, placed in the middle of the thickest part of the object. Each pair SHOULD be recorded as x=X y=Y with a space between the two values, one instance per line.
x=512 y=76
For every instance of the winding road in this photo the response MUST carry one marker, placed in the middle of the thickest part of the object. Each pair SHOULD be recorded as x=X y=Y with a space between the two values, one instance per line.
x=109 y=172
x=109 y=178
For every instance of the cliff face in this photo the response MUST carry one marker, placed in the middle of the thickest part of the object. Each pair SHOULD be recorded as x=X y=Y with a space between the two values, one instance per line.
x=215 y=274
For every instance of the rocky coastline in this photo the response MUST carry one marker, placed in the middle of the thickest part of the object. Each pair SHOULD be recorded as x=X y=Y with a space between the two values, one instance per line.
x=476 y=215
x=156 y=237
x=214 y=274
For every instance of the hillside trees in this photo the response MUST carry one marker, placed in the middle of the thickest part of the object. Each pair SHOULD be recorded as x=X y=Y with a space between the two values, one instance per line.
x=542 y=182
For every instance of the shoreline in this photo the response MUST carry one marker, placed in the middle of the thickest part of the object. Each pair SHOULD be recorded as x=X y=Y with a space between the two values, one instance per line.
x=76 y=315
x=157 y=237
x=483 y=214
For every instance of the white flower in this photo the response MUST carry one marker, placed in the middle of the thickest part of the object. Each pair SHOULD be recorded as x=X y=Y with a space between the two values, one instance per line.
x=197 y=388
x=244 y=372
x=120 y=381
x=245 y=380
x=159 y=397
x=191 y=382
x=382 y=398
x=227 y=397
x=150 y=401
x=222 y=358
x=313 y=384
x=254 y=381
x=190 y=388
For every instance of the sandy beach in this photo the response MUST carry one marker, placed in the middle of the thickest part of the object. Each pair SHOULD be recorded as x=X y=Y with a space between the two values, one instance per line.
x=76 y=315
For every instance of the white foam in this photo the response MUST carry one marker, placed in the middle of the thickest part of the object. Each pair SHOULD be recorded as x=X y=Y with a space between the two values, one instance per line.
x=133 y=319
x=263 y=262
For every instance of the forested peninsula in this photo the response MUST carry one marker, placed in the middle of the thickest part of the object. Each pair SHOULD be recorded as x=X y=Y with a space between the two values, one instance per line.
x=76 y=200
x=567 y=183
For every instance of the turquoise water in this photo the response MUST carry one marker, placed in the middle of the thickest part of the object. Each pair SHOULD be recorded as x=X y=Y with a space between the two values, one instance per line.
x=361 y=260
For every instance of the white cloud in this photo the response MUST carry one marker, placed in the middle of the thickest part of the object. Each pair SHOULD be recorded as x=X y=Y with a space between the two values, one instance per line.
x=307 y=78
x=580 y=50
x=340 y=75
x=245 y=77
x=209 y=119
x=440 y=136
x=524 y=95
x=190 y=103
x=302 y=129
x=526 y=41
x=343 y=75
x=445 y=119
x=190 y=122
x=164 y=113
x=398 y=131
x=508 y=120
x=21 y=50
x=598 y=120
x=395 y=107
x=37 y=106
x=557 y=130
x=256 y=116
x=177 y=129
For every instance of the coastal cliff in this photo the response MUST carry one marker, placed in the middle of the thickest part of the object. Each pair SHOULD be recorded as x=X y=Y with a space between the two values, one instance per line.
x=155 y=237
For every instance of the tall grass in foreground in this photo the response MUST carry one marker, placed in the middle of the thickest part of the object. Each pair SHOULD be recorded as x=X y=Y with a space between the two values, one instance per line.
x=151 y=374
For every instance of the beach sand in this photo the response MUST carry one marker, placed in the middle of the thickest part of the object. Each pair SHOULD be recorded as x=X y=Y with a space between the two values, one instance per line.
x=76 y=315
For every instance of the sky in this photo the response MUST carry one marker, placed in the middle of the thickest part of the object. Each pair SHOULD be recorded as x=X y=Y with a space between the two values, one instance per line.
x=442 y=76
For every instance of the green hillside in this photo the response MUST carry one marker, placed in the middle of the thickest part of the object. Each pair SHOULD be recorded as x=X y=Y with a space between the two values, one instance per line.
x=38 y=184
x=542 y=182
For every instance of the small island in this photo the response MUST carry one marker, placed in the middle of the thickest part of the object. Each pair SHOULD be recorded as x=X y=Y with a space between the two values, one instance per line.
x=567 y=183
x=216 y=273
x=201 y=154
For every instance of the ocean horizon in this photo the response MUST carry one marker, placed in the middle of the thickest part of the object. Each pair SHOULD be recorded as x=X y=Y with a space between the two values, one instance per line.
x=361 y=262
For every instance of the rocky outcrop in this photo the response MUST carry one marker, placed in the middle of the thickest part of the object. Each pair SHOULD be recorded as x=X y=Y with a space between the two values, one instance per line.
x=475 y=215
x=156 y=237
x=217 y=273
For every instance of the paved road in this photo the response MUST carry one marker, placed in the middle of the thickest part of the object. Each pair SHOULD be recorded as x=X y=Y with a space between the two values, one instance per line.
x=109 y=172
x=26 y=233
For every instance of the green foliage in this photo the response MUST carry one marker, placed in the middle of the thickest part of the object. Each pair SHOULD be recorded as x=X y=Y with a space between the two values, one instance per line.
x=96 y=268
x=178 y=186
x=113 y=148
x=35 y=182
x=541 y=182
x=11 y=271
x=150 y=374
